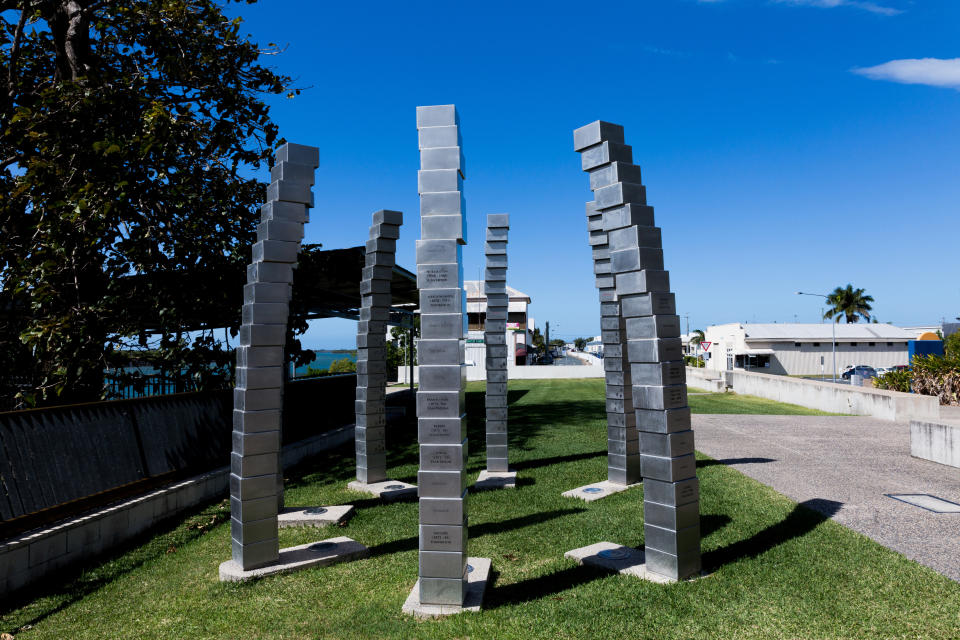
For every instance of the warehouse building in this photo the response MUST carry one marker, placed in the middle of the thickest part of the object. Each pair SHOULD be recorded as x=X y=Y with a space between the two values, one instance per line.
x=805 y=349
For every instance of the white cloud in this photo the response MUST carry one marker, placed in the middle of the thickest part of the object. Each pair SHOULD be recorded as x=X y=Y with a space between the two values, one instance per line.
x=866 y=5
x=929 y=71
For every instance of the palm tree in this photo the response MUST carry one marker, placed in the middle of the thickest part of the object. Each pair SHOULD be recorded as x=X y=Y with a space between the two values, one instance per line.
x=849 y=303
x=696 y=339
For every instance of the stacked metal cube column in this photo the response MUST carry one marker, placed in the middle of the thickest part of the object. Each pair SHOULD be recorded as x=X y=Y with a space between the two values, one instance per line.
x=648 y=316
x=375 y=302
x=623 y=446
x=440 y=399
x=256 y=478
x=495 y=339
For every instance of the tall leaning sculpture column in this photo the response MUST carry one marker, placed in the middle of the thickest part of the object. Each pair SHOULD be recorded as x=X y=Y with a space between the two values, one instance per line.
x=623 y=444
x=375 y=302
x=256 y=472
x=447 y=583
x=648 y=320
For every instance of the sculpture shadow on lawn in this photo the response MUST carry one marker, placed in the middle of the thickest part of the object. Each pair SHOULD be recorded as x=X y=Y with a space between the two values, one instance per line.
x=733 y=461
x=803 y=519
x=477 y=530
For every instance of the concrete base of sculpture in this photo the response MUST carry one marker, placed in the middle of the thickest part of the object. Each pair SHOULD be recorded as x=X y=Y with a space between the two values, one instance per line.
x=314 y=516
x=598 y=490
x=388 y=489
x=304 y=556
x=496 y=480
x=476 y=587
x=616 y=557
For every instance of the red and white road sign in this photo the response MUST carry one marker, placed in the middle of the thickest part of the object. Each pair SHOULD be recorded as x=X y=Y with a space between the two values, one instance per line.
x=705 y=345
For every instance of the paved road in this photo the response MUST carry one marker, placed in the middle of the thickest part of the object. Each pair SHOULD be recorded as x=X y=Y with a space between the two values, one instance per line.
x=851 y=460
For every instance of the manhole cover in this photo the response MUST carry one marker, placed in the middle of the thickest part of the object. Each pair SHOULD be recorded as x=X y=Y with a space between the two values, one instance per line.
x=394 y=487
x=593 y=490
x=315 y=511
x=469 y=568
x=614 y=554
x=927 y=501
x=322 y=546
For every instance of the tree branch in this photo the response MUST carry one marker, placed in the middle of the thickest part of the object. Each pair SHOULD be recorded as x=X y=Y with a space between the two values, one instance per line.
x=15 y=54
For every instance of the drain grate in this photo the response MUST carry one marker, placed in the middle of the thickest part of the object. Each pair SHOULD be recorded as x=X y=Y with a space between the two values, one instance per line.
x=926 y=501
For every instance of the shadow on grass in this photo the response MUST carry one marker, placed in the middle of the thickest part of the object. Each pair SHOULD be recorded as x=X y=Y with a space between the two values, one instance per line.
x=733 y=461
x=518 y=482
x=476 y=531
x=542 y=586
x=804 y=518
x=713 y=522
x=546 y=462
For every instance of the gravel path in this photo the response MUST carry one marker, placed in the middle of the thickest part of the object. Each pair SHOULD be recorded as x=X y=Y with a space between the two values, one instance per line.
x=852 y=460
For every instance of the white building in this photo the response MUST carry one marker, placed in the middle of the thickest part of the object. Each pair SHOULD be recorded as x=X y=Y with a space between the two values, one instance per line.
x=594 y=346
x=519 y=325
x=805 y=349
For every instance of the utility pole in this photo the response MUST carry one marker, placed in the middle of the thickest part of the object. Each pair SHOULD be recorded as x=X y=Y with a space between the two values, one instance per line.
x=546 y=338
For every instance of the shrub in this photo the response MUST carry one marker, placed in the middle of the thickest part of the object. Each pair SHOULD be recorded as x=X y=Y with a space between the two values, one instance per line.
x=937 y=376
x=343 y=365
x=693 y=361
x=894 y=381
x=951 y=345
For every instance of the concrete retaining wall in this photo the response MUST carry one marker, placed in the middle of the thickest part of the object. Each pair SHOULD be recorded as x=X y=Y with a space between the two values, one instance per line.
x=935 y=441
x=703 y=378
x=836 y=398
x=530 y=372
x=36 y=554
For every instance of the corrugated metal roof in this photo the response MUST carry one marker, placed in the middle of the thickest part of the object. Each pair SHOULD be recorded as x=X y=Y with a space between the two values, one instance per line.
x=822 y=332
x=474 y=289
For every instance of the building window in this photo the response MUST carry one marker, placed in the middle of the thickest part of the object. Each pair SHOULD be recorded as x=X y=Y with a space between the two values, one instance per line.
x=816 y=344
x=796 y=344
x=853 y=344
x=889 y=344
x=871 y=344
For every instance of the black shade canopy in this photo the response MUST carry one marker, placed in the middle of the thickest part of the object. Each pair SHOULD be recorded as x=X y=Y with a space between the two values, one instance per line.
x=326 y=285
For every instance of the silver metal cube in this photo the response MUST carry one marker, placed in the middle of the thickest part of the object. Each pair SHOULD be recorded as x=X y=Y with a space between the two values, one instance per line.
x=444 y=510
x=441 y=484
x=672 y=493
x=439 y=276
x=669 y=469
x=441 y=430
x=668 y=445
x=646 y=281
x=595 y=133
x=443 y=457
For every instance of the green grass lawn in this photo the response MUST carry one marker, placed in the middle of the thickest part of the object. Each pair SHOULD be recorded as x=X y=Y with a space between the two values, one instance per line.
x=777 y=569
x=735 y=403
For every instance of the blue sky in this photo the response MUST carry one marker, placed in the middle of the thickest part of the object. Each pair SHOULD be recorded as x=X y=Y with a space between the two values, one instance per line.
x=792 y=145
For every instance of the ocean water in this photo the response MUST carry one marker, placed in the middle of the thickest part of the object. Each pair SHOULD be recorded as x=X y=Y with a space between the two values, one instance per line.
x=322 y=360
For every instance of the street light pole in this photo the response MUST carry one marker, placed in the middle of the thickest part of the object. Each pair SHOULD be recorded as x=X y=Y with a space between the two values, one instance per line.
x=833 y=331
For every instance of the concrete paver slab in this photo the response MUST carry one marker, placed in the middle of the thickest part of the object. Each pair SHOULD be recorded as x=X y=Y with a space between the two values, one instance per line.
x=856 y=461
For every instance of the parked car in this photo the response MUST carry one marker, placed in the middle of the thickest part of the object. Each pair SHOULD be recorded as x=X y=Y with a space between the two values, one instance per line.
x=900 y=367
x=860 y=370
x=882 y=370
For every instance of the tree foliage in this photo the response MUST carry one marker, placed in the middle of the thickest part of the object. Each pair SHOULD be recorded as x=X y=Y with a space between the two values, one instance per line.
x=849 y=303
x=124 y=127
x=399 y=349
x=580 y=344
x=343 y=365
x=697 y=337
x=951 y=346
